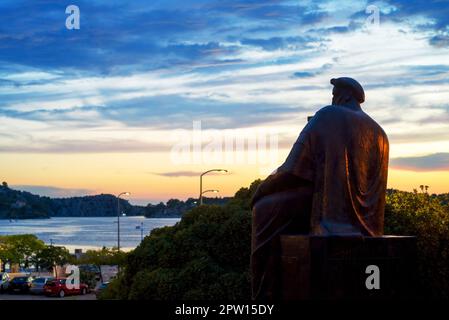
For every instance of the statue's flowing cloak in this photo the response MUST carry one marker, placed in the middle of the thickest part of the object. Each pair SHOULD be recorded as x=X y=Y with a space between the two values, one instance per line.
x=345 y=154
x=332 y=182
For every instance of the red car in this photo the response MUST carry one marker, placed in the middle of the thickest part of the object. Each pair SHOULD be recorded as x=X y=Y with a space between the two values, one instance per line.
x=58 y=287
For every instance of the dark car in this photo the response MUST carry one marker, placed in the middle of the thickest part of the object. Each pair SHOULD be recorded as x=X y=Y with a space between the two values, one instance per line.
x=21 y=284
x=59 y=287
x=100 y=289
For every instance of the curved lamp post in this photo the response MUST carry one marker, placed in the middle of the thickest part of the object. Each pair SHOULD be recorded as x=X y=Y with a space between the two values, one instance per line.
x=212 y=190
x=201 y=181
x=118 y=217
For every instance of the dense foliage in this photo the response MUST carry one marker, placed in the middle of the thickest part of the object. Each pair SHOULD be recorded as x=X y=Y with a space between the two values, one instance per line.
x=20 y=249
x=104 y=256
x=50 y=256
x=206 y=255
x=427 y=217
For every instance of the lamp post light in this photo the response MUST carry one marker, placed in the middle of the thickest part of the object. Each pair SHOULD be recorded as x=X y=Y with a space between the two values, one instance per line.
x=201 y=181
x=118 y=218
x=212 y=190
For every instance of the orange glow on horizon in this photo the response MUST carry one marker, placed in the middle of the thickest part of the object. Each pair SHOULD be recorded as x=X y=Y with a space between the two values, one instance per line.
x=138 y=174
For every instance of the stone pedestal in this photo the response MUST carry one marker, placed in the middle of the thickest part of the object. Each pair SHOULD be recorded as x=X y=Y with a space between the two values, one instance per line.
x=337 y=267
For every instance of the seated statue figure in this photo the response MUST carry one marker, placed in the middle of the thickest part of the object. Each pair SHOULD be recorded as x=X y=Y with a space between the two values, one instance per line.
x=333 y=182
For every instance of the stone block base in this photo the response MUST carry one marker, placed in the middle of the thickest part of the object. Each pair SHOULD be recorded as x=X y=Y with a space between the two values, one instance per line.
x=347 y=267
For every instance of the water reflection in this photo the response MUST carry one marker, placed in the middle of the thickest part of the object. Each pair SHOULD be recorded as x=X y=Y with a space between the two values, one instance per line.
x=85 y=233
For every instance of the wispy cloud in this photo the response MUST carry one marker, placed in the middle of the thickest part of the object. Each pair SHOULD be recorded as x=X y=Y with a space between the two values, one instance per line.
x=431 y=162
x=177 y=174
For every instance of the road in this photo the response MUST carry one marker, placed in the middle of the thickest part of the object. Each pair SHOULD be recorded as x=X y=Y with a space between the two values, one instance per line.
x=42 y=297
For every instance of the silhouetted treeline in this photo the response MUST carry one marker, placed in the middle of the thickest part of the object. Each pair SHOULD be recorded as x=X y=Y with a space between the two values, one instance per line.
x=175 y=208
x=15 y=204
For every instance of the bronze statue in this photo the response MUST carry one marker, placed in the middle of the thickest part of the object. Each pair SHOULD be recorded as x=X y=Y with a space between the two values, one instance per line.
x=332 y=182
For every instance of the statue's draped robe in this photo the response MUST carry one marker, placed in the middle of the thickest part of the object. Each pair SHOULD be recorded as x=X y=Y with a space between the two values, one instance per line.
x=332 y=182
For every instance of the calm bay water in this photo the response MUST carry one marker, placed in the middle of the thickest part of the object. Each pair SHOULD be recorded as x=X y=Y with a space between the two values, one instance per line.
x=85 y=233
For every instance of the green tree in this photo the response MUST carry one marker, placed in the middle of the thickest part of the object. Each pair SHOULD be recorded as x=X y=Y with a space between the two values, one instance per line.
x=174 y=203
x=51 y=256
x=104 y=256
x=21 y=249
x=424 y=216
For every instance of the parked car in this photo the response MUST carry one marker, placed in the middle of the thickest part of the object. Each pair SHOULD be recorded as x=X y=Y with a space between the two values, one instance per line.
x=58 y=287
x=101 y=288
x=37 y=286
x=21 y=284
x=4 y=281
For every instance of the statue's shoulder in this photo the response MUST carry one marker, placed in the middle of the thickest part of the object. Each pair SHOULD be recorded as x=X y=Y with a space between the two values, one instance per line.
x=328 y=108
x=328 y=111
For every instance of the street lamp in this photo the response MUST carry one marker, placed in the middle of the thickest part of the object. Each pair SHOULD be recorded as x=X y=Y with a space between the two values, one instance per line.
x=214 y=191
x=118 y=218
x=201 y=181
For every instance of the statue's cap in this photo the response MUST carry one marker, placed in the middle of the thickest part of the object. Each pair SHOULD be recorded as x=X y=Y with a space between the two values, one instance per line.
x=353 y=85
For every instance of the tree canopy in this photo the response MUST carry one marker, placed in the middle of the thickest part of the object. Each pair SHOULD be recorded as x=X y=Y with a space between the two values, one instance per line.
x=21 y=249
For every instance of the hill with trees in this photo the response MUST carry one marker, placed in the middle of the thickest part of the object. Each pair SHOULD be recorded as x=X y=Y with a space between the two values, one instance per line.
x=15 y=204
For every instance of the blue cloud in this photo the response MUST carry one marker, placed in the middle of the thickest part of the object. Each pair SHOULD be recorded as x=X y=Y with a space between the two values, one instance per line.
x=304 y=74
x=435 y=12
x=312 y=73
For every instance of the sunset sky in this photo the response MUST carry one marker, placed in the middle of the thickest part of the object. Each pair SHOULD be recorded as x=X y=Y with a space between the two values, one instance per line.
x=114 y=105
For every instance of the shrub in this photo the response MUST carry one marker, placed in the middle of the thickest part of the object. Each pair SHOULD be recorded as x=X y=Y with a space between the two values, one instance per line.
x=419 y=214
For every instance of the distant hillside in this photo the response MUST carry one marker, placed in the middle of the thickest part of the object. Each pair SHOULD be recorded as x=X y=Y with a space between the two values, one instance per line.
x=103 y=205
x=23 y=205
x=15 y=204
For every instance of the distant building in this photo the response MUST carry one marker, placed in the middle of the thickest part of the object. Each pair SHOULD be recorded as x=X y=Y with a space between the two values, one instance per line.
x=78 y=253
x=18 y=204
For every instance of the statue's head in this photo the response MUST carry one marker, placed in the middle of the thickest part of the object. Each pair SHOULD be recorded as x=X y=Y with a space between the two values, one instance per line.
x=347 y=91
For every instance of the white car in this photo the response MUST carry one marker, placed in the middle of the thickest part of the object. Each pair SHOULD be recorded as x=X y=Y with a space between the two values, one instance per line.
x=4 y=281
